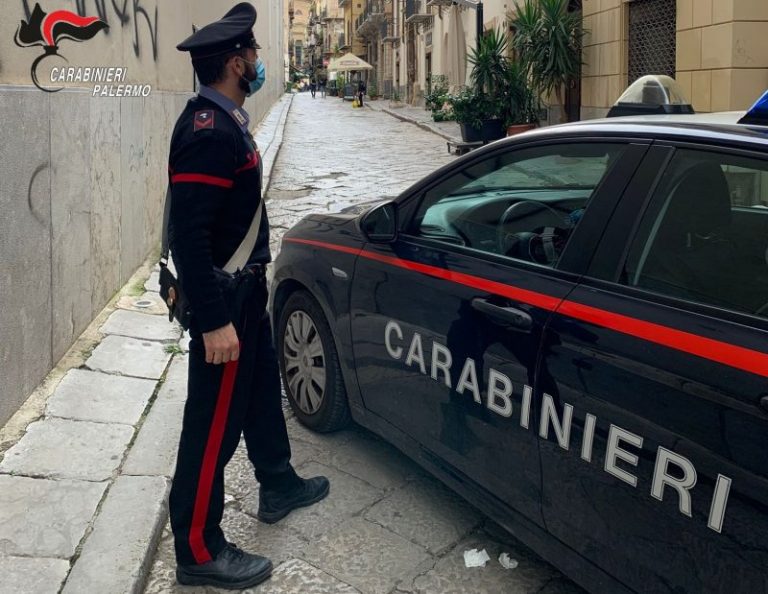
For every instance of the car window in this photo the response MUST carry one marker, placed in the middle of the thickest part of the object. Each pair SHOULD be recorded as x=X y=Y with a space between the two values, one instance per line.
x=704 y=235
x=523 y=204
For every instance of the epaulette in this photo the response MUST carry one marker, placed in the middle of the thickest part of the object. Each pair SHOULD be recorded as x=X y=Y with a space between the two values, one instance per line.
x=204 y=120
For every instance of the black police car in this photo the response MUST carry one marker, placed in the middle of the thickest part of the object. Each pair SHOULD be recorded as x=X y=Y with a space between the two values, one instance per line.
x=570 y=328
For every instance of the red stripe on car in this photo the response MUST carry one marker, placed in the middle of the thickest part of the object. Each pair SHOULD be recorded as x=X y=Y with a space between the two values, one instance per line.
x=707 y=348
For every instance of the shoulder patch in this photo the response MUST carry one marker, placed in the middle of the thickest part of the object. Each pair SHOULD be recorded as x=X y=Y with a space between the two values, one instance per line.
x=204 y=120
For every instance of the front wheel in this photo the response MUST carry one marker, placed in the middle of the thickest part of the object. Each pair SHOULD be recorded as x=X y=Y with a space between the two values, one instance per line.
x=309 y=365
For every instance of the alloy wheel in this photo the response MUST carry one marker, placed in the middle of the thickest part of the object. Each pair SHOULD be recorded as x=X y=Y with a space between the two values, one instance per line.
x=305 y=362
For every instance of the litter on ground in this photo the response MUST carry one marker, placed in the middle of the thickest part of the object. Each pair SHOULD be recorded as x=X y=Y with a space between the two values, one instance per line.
x=475 y=558
x=507 y=562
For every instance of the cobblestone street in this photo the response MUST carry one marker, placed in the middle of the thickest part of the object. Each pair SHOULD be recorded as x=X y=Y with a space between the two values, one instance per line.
x=334 y=156
x=387 y=526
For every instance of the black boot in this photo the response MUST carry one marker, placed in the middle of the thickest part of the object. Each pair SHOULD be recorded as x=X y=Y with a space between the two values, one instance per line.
x=275 y=505
x=232 y=569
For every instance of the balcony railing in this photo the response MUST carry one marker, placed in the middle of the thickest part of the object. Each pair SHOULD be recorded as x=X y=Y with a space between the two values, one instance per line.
x=417 y=12
x=368 y=23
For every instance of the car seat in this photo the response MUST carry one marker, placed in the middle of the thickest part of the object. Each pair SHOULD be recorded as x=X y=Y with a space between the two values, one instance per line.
x=691 y=256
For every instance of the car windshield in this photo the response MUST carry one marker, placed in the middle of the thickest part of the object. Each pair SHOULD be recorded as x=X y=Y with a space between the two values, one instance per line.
x=544 y=172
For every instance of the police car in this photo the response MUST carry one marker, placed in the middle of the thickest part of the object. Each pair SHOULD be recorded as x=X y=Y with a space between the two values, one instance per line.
x=570 y=328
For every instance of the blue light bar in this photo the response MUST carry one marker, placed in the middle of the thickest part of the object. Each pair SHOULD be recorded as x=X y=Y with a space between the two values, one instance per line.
x=758 y=113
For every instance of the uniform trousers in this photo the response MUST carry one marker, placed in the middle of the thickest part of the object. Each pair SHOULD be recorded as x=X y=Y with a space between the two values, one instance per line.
x=224 y=402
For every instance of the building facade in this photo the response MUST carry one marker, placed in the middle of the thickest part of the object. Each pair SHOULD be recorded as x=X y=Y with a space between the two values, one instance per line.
x=299 y=12
x=83 y=171
x=716 y=49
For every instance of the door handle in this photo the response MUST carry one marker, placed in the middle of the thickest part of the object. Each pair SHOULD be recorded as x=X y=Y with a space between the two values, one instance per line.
x=510 y=316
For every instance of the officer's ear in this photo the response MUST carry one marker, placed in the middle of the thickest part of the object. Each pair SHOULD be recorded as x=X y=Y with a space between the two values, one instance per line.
x=236 y=66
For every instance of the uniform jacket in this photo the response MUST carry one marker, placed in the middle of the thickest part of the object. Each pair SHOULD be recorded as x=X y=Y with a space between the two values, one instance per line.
x=215 y=175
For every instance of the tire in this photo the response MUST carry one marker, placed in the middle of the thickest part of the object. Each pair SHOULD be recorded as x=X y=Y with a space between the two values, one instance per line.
x=309 y=365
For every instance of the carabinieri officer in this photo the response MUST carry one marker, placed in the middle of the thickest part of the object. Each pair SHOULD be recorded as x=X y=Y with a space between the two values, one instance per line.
x=234 y=383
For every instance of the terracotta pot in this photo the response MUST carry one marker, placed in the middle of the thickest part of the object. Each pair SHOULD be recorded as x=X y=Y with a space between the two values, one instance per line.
x=519 y=128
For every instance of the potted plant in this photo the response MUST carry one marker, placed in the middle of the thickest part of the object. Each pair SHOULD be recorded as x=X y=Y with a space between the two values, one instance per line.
x=372 y=90
x=395 y=100
x=548 y=40
x=438 y=93
x=489 y=70
x=469 y=108
x=521 y=105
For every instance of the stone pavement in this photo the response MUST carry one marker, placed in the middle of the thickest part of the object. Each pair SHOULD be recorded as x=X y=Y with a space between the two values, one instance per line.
x=82 y=493
x=419 y=116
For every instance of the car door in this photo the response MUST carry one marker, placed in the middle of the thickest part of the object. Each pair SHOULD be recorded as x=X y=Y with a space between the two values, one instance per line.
x=655 y=368
x=447 y=320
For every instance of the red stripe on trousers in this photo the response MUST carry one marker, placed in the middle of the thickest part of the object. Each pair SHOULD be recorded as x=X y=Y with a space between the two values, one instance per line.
x=199 y=178
x=210 y=460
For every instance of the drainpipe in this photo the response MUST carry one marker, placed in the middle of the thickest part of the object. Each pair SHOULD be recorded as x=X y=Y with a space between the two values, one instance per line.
x=480 y=24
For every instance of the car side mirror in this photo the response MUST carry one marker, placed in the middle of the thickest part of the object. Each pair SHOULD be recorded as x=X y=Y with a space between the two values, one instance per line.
x=380 y=224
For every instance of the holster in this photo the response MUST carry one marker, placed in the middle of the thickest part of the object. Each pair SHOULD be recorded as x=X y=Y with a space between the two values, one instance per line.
x=237 y=289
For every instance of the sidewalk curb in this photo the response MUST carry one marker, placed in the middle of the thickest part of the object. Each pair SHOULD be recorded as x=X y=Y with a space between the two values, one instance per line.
x=421 y=125
x=269 y=157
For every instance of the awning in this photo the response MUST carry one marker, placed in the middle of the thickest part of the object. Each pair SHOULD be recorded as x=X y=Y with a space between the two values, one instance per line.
x=456 y=52
x=349 y=62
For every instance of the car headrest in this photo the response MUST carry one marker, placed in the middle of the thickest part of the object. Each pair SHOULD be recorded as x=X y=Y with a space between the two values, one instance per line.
x=700 y=204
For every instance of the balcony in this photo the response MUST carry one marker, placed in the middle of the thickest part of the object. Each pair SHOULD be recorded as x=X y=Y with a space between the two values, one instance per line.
x=387 y=32
x=416 y=12
x=343 y=45
x=368 y=23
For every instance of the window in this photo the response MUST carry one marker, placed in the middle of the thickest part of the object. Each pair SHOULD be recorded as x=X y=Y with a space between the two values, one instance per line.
x=523 y=204
x=652 y=38
x=705 y=233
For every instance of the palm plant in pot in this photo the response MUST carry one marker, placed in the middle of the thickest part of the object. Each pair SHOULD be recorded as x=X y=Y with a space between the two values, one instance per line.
x=489 y=71
x=548 y=40
x=521 y=102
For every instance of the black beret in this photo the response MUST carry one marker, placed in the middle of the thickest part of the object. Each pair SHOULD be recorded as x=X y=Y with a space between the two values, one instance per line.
x=233 y=32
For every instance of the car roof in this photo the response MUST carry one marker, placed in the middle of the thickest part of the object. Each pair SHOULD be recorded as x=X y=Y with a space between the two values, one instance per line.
x=721 y=126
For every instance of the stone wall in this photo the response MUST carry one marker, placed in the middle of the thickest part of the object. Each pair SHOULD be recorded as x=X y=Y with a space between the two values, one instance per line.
x=82 y=178
x=721 y=53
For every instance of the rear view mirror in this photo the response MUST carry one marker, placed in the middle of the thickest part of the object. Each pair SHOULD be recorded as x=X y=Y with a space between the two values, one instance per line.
x=380 y=224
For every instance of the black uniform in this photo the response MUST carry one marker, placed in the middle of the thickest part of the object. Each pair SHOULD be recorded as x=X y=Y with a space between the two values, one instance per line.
x=215 y=173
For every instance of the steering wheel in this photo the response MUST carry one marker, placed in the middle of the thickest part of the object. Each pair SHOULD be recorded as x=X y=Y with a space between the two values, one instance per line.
x=543 y=244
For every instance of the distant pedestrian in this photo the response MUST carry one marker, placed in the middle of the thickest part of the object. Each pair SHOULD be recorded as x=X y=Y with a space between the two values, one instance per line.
x=313 y=86
x=323 y=83
x=361 y=89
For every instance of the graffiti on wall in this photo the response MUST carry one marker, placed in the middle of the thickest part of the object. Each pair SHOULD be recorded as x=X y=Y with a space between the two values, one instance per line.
x=127 y=12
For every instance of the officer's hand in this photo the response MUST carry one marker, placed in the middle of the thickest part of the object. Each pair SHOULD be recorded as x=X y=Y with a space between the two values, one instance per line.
x=221 y=345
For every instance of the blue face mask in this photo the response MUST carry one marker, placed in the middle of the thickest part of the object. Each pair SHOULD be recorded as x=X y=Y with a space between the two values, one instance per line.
x=253 y=86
